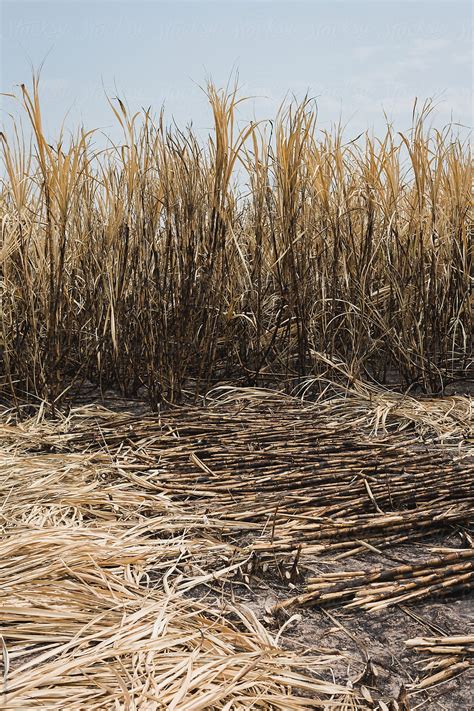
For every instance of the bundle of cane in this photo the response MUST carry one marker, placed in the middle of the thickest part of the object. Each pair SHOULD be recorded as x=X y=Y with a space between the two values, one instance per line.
x=443 y=657
x=375 y=590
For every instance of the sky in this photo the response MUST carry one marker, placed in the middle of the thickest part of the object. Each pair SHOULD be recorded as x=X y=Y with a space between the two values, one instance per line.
x=358 y=59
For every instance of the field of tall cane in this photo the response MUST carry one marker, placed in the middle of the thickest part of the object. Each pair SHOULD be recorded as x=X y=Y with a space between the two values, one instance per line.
x=266 y=254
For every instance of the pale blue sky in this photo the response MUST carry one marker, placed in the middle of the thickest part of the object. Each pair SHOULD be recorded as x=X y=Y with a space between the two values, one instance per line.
x=356 y=57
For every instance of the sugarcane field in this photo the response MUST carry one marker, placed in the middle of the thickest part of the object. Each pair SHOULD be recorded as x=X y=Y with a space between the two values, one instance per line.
x=236 y=373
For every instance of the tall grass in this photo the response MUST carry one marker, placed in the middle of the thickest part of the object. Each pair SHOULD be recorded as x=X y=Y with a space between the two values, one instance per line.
x=148 y=265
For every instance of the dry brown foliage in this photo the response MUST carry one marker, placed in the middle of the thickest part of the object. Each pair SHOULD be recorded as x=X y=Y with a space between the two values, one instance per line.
x=147 y=266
